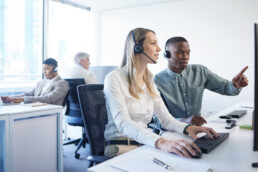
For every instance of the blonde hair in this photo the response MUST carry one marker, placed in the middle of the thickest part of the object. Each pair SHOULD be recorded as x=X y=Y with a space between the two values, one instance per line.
x=130 y=62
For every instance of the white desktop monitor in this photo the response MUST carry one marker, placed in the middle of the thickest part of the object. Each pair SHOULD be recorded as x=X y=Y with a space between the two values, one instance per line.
x=101 y=72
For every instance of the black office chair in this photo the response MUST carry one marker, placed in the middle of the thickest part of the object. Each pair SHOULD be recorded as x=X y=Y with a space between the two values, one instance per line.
x=93 y=108
x=66 y=98
x=65 y=103
x=73 y=115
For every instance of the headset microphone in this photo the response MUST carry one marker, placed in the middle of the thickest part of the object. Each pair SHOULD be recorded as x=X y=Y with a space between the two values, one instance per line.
x=138 y=49
x=149 y=57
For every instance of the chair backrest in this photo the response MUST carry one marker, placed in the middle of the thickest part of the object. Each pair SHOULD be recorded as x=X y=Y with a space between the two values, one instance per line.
x=94 y=113
x=66 y=98
x=73 y=111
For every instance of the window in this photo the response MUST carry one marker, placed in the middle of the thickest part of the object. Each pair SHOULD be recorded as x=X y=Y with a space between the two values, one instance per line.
x=21 y=24
x=70 y=31
x=21 y=39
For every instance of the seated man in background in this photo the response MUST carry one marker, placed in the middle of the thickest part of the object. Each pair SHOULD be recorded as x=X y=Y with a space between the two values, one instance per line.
x=81 y=69
x=182 y=85
x=51 y=90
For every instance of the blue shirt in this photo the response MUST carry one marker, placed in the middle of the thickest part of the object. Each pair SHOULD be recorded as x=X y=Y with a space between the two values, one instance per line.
x=183 y=92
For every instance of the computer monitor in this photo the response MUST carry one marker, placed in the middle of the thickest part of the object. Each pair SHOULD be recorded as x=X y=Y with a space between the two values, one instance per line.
x=101 y=72
x=255 y=117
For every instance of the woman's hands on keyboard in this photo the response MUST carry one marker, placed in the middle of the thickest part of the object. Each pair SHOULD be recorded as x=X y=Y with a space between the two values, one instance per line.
x=194 y=119
x=181 y=147
x=194 y=130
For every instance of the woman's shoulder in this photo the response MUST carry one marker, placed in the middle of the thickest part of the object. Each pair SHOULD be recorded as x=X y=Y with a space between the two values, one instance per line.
x=117 y=73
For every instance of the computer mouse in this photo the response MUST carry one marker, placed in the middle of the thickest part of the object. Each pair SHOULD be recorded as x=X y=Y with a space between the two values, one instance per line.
x=197 y=156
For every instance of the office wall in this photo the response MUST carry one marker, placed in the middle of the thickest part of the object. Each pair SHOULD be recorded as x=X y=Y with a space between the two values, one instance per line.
x=220 y=33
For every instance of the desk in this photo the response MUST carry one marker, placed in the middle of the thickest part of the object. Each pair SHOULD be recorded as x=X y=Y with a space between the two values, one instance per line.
x=234 y=154
x=31 y=138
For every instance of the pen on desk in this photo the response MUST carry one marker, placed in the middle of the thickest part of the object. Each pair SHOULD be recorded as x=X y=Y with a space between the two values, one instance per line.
x=155 y=160
x=247 y=107
x=118 y=168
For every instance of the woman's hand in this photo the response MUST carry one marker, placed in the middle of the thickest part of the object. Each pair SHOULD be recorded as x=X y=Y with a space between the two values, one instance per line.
x=194 y=119
x=194 y=130
x=180 y=147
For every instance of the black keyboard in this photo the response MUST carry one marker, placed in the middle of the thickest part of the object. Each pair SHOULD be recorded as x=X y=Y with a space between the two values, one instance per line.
x=237 y=113
x=206 y=144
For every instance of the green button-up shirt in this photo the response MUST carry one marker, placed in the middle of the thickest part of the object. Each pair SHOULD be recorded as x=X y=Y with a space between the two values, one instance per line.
x=183 y=92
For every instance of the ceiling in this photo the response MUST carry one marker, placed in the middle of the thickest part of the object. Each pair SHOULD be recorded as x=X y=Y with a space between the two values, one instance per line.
x=104 y=5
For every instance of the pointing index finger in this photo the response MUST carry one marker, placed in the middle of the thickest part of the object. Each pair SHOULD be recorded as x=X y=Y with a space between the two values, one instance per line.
x=242 y=71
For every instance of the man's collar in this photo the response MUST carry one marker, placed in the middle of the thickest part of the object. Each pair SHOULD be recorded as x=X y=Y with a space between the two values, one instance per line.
x=53 y=78
x=77 y=64
x=184 y=72
x=174 y=74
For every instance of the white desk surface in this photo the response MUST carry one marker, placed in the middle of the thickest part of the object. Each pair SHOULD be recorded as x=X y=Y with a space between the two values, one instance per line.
x=25 y=108
x=234 y=154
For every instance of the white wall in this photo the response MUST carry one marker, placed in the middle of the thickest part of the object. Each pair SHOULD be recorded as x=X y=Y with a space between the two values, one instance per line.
x=220 y=33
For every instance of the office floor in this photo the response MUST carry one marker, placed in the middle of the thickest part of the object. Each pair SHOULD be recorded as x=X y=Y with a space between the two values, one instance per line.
x=75 y=165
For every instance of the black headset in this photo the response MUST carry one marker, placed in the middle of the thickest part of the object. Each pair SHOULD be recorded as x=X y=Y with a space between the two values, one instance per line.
x=54 y=69
x=138 y=49
x=167 y=53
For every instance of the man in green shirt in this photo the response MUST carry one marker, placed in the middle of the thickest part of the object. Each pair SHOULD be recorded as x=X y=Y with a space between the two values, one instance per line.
x=182 y=85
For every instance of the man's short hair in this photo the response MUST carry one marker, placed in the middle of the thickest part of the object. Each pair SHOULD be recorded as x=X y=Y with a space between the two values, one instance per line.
x=51 y=61
x=174 y=40
x=80 y=55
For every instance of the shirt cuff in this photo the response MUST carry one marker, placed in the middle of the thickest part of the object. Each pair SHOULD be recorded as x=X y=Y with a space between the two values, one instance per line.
x=153 y=140
x=235 y=90
x=27 y=99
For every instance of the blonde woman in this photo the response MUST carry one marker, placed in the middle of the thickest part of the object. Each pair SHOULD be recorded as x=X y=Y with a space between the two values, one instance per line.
x=132 y=99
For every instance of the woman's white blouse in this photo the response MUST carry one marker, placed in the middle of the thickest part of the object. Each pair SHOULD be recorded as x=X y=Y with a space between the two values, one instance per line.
x=128 y=116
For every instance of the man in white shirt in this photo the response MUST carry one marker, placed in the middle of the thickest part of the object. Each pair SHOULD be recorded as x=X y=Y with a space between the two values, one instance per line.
x=81 y=69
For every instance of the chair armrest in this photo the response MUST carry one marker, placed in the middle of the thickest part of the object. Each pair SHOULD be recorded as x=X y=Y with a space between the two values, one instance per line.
x=97 y=158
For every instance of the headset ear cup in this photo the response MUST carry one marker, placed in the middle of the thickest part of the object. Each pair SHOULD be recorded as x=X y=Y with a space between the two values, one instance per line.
x=138 y=49
x=167 y=54
x=54 y=70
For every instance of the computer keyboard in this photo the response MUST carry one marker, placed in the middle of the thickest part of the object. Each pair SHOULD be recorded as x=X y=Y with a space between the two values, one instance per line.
x=237 y=113
x=206 y=144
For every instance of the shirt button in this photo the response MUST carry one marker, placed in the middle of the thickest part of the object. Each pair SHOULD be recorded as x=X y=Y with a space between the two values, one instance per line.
x=184 y=94
x=186 y=103
x=188 y=113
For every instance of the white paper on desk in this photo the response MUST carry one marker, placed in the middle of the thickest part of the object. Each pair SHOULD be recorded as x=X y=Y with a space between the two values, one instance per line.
x=36 y=104
x=219 y=120
x=141 y=161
